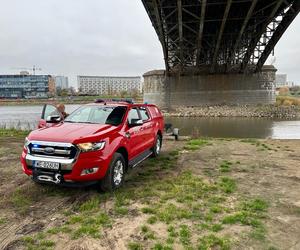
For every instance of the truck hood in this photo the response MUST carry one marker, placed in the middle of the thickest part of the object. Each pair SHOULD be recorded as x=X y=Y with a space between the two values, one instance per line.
x=70 y=132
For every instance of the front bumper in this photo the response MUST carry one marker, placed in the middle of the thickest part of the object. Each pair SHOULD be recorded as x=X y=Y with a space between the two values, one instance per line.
x=70 y=170
x=57 y=179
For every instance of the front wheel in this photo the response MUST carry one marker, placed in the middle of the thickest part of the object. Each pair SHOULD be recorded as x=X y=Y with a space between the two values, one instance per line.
x=114 y=177
x=157 y=146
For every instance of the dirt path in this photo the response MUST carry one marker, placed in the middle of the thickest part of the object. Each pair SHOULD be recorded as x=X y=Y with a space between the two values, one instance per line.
x=173 y=202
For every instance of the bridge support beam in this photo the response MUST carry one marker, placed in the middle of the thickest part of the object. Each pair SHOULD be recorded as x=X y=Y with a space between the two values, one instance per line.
x=209 y=89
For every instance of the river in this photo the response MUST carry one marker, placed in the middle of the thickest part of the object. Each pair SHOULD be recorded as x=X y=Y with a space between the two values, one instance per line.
x=26 y=117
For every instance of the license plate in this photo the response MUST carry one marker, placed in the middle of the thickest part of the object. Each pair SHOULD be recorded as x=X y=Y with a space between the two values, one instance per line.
x=46 y=165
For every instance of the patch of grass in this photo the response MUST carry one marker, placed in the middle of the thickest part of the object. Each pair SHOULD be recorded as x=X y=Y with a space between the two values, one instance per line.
x=255 y=205
x=28 y=240
x=90 y=205
x=32 y=243
x=20 y=201
x=2 y=221
x=216 y=209
x=134 y=246
x=250 y=140
x=145 y=229
x=259 y=233
x=86 y=230
x=47 y=243
x=103 y=219
x=250 y=213
x=272 y=248
x=76 y=219
x=216 y=227
x=160 y=246
x=147 y=232
x=148 y=210
x=241 y=217
x=225 y=166
x=121 y=210
x=13 y=133
x=152 y=219
x=62 y=229
x=185 y=235
x=212 y=241
x=195 y=144
x=227 y=185
x=172 y=232
x=170 y=212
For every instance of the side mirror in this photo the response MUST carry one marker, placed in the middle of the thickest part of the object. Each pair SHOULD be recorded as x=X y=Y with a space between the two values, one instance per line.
x=135 y=122
x=53 y=119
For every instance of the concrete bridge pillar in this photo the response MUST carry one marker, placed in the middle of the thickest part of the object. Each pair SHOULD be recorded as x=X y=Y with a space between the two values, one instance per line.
x=196 y=90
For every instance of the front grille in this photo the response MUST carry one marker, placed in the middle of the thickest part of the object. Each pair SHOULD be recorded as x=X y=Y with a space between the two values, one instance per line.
x=53 y=150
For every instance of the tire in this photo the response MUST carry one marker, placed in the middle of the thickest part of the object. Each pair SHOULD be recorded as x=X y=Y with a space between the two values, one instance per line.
x=114 y=177
x=157 y=146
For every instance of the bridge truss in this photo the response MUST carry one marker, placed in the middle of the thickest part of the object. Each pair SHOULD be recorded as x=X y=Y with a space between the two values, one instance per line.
x=219 y=36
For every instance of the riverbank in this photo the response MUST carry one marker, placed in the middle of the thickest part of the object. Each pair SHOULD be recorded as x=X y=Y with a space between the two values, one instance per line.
x=44 y=101
x=260 y=111
x=64 y=100
x=199 y=194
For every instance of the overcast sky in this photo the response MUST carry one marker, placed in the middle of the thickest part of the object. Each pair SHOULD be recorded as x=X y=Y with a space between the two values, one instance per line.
x=97 y=37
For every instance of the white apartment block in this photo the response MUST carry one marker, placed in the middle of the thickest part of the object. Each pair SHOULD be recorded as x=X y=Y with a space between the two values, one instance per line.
x=108 y=84
x=280 y=80
x=61 y=82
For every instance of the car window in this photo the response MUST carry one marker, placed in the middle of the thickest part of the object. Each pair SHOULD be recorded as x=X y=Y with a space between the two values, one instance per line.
x=133 y=115
x=144 y=113
x=49 y=110
x=98 y=114
x=80 y=115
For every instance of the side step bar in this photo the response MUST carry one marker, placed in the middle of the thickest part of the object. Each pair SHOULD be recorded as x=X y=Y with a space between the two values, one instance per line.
x=140 y=158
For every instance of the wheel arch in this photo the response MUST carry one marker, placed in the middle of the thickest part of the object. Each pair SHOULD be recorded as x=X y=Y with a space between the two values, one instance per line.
x=123 y=151
x=159 y=133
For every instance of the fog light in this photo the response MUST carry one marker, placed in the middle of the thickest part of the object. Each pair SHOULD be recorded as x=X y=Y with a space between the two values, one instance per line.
x=89 y=171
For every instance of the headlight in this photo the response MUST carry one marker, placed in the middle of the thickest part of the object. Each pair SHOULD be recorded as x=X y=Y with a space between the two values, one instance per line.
x=26 y=143
x=90 y=146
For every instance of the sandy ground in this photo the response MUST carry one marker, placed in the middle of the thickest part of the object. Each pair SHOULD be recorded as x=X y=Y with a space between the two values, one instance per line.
x=269 y=169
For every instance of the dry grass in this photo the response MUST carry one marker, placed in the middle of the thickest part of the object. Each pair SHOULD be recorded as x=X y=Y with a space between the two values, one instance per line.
x=287 y=101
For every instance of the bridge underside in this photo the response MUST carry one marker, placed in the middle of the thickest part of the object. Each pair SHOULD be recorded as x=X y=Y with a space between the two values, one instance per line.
x=219 y=36
x=214 y=50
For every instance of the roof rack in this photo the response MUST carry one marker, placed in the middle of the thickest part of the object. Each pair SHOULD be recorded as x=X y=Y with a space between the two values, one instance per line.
x=127 y=100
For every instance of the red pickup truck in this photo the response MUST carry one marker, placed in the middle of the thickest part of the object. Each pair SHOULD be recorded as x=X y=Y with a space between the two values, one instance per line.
x=96 y=142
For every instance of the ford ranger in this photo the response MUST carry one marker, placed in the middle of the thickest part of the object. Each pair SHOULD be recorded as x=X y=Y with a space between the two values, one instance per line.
x=97 y=143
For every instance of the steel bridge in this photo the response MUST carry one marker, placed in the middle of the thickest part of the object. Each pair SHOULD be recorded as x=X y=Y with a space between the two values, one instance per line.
x=219 y=36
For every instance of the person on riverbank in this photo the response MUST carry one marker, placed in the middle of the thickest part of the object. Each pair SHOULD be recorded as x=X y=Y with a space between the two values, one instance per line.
x=60 y=110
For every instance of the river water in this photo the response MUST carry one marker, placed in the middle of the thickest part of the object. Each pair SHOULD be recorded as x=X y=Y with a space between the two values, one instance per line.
x=26 y=117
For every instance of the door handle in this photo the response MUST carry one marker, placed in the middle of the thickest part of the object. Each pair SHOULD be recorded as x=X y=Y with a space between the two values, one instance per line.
x=127 y=135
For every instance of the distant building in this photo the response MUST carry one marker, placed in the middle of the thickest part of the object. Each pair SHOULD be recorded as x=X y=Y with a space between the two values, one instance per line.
x=51 y=85
x=26 y=86
x=280 y=80
x=290 y=84
x=61 y=82
x=108 y=84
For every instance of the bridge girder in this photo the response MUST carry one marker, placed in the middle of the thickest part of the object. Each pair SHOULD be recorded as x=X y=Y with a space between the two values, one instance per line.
x=219 y=36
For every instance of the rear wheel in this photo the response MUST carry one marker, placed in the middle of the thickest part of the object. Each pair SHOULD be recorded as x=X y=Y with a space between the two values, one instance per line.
x=114 y=177
x=157 y=146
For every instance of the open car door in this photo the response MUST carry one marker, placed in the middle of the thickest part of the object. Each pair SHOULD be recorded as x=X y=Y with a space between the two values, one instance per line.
x=48 y=110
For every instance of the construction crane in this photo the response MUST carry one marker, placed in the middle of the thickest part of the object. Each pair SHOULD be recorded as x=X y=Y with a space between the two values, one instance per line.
x=33 y=69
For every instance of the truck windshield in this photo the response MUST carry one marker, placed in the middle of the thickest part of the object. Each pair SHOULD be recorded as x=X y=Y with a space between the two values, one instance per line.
x=99 y=115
